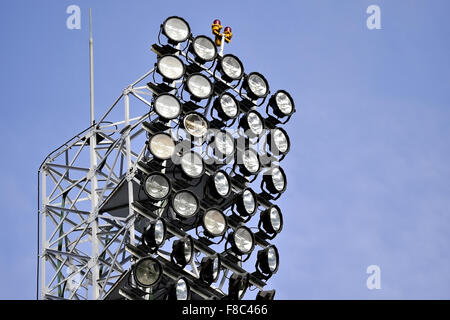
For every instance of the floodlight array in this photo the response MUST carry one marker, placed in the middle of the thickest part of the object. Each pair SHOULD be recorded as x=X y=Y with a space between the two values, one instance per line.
x=209 y=144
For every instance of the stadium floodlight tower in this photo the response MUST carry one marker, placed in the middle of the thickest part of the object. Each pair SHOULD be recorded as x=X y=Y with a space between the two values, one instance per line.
x=171 y=193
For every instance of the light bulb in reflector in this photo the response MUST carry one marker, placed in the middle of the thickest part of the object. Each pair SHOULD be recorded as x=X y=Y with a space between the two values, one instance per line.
x=243 y=240
x=222 y=183
x=147 y=272
x=157 y=186
x=275 y=180
x=279 y=141
x=155 y=234
x=214 y=223
x=170 y=67
x=167 y=106
x=192 y=164
x=182 y=251
x=251 y=161
x=176 y=29
x=162 y=146
x=246 y=203
x=185 y=204
x=224 y=143
x=282 y=104
x=204 y=48
x=278 y=179
x=195 y=124
x=181 y=290
x=257 y=85
x=275 y=219
x=199 y=86
x=272 y=220
x=227 y=106
x=232 y=67
x=268 y=260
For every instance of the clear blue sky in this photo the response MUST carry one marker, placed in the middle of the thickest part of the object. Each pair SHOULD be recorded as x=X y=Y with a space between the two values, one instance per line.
x=369 y=173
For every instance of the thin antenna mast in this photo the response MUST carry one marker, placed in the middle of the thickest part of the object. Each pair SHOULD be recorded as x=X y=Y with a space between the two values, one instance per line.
x=91 y=66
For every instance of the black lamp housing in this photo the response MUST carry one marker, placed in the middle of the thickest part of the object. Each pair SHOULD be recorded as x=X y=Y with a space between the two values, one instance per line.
x=265 y=295
x=212 y=185
x=152 y=198
x=244 y=124
x=240 y=203
x=198 y=58
x=148 y=237
x=262 y=263
x=238 y=282
x=268 y=181
x=225 y=77
x=170 y=40
x=207 y=269
x=178 y=254
x=165 y=79
x=234 y=247
x=218 y=106
x=141 y=264
x=250 y=93
x=266 y=222
x=276 y=109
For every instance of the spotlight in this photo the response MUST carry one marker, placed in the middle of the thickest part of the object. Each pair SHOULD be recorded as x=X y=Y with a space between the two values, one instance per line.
x=223 y=144
x=265 y=295
x=204 y=49
x=214 y=223
x=231 y=68
x=226 y=106
x=256 y=86
x=170 y=67
x=157 y=186
x=176 y=29
x=248 y=162
x=220 y=184
x=268 y=261
x=246 y=204
x=167 y=106
x=195 y=124
x=199 y=86
x=272 y=221
x=252 y=123
x=275 y=180
x=242 y=240
x=161 y=146
x=279 y=141
x=180 y=290
x=237 y=286
x=147 y=272
x=282 y=104
x=155 y=234
x=192 y=164
x=210 y=268
x=182 y=251
x=185 y=204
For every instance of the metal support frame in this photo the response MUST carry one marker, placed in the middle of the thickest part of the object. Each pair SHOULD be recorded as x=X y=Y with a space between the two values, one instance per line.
x=82 y=251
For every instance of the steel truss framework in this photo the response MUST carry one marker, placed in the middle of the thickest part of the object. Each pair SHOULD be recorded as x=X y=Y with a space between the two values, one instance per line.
x=84 y=250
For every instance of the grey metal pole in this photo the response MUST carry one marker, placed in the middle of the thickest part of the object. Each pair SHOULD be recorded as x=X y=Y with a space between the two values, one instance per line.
x=91 y=67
